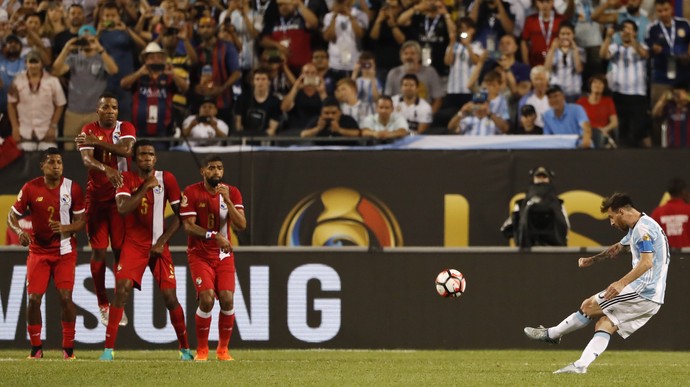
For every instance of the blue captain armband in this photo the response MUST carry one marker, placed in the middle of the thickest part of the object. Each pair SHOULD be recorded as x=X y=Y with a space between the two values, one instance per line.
x=645 y=245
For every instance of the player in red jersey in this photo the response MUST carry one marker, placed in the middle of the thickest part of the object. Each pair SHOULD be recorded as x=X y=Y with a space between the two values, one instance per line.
x=105 y=146
x=674 y=216
x=57 y=210
x=208 y=210
x=142 y=198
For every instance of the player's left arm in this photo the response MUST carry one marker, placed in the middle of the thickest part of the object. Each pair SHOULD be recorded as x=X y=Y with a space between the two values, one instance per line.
x=236 y=215
x=78 y=224
x=170 y=230
x=646 y=262
x=610 y=253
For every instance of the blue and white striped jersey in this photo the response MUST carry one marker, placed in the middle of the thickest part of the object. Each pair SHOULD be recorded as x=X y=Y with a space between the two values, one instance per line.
x=461 y=69
x=563 y=72
x=627 y=72
x=648 y=237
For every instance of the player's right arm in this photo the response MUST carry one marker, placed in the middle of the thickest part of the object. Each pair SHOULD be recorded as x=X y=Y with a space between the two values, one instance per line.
x=610 y=253
x=13 y=223
x=194 y=230
x=128 y=202
x=91 y=163
x=123 y=148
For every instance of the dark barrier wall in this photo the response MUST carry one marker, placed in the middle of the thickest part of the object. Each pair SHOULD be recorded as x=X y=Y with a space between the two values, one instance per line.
x=348 y=299
x=408 y=198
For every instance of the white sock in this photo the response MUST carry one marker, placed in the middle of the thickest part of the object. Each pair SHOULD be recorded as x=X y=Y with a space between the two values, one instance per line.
x=228 y=312
x=202 y=314
x=571 y=323
x=596 y=347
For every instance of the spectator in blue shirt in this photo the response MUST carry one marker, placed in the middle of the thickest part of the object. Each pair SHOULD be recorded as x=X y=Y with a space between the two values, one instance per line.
x=566 y=118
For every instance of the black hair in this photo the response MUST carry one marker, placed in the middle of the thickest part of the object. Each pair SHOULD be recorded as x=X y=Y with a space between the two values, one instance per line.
x=107 y=95
x=210 y=159
x=138 y=144
x=330 y=102
x=616 y=201
x=48 y=152
x=676 y=187
x=411 y=77
x=628 y=21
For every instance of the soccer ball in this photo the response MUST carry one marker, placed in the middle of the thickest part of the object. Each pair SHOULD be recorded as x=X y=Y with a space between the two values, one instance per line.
x=450 y=283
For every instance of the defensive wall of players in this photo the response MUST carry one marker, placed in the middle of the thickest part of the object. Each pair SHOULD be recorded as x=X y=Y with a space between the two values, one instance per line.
x=358 y=298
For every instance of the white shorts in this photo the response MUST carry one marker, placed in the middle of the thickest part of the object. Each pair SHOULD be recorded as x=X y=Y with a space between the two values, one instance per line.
x=628 y=311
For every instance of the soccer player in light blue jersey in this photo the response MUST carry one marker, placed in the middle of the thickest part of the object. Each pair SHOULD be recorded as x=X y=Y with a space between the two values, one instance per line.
x=628 y=303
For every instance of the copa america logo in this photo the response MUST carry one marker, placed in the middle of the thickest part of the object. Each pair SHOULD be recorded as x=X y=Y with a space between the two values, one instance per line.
x=340 y=217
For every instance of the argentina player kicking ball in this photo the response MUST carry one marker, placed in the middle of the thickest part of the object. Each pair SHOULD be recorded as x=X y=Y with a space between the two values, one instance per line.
x=627 y=304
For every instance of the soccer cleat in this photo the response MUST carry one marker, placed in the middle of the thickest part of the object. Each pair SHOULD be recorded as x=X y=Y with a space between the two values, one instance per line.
x=68 y=356
x=201 y=354
x=186 y=354
x=571 y=369
x=223 y=355
x=107 y=355
x=124 y=320
x=36 y=353
x=540 y=334
x=104 y=309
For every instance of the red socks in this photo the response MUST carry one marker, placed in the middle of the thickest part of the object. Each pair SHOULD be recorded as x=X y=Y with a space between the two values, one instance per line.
x=68 y=334
x=98 y=274
x=177 y=319
x=225 y=324
x=203 y=324
x=34 y=334
x=113 y=325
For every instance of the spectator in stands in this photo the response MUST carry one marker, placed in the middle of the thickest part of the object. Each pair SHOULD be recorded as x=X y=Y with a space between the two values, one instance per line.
x=674 y=109
x=674 y=215
x=537 y=97
x=154 y=84
x=564 y=62
x=385 y=124
x=369 y=86
x=387 y=36
x=430 y=24
x=75 y=19
x=346 y=93
x=566 y=118
x=517 y=74
x=289 y=32
x=610 y=12
x=279 y=72
x=498 y=105
x=320 y=60
x=416 y=111
x=303 y=102
x=121 y=42
x=332 y=122
x=5 y=28
x=628 y=75
x=181 y=59
x=54 y=21
x=89 y=7
x=587 y=35
x=601 y=112
x=35 y=104
x=222 y=58
x=495 y=19
x=539 y=33
x=668 y=39
x=11 y=64
x=205 y=125
x=430 y=86
x=475 y=118
x=89 y=66
x=257 y=111
x=343 y=29
x=247 y=25
x=29 y=31
x=462 y=55
x=528 y=118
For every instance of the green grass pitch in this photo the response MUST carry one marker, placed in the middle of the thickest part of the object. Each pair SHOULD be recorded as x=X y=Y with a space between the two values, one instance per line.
x=345 y=367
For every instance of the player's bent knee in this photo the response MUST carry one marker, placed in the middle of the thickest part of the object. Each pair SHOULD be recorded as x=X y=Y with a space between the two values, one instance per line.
x=35 y=299
x=170 y=299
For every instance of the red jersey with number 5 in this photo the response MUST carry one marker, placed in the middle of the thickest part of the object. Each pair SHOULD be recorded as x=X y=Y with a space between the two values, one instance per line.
x=98 y=187
x=46 y=205
x=146 y=223
x=211 y=214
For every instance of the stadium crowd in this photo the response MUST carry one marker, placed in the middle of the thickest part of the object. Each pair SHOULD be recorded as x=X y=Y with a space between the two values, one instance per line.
x=614 y=72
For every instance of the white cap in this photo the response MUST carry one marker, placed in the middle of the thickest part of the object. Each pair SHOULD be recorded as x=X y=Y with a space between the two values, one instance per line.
x=152 y=48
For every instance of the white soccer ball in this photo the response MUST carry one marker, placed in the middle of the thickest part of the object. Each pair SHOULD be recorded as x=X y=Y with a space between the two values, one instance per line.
x=450 y=283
